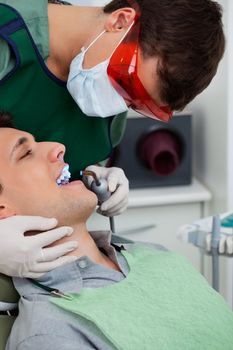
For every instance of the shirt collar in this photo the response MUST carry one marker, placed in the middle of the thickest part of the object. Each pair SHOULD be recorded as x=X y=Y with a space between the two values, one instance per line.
x=101 y=238
x=71 y=272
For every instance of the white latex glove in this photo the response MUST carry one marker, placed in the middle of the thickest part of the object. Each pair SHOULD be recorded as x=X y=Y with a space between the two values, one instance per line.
x=25 y=256
x=118 y=185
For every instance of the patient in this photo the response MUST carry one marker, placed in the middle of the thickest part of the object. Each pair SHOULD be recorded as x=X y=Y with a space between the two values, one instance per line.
x=122 y=295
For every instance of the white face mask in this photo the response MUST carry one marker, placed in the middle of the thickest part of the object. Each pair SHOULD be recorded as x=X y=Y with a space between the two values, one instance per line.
x=91 y=88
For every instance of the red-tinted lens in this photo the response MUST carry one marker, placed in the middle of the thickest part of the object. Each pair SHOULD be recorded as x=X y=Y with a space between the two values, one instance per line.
x=122 y=71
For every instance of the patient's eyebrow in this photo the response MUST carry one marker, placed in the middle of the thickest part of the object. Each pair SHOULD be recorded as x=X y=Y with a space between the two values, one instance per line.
x=21 y=141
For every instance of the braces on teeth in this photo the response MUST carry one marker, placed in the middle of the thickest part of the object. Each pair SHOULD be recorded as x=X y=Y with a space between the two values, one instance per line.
x=64 y=177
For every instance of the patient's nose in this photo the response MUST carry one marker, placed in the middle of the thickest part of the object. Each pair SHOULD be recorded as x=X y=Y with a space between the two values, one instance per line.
x=56 y=152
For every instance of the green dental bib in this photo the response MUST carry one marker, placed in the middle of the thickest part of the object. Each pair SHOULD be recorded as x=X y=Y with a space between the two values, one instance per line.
x=163 y=303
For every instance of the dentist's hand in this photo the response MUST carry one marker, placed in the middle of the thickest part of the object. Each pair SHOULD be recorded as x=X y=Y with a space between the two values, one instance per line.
x=25 y=256
x=118 y=185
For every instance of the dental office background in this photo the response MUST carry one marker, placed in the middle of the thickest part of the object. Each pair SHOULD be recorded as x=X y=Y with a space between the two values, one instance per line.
x=156 y=214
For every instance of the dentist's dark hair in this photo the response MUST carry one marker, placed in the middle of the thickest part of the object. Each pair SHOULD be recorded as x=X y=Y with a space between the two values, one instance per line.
x=6 y=121
x=187 y=37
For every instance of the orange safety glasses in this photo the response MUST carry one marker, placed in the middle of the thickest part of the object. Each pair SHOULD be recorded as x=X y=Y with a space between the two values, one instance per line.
x=122 y=72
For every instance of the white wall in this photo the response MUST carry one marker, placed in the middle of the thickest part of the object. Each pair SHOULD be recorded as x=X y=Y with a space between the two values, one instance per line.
x=210 y=124
x=229 y=271
x=89 y=2
x=213 y=141
x=230 y=104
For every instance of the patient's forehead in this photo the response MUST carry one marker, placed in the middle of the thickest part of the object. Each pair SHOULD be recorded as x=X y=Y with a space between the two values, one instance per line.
x=8 y=139
x=7 y=134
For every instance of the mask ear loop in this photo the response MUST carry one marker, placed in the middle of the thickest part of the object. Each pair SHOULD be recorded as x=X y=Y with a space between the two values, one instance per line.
x=123 y=37
x=88 y=47
x=84 y=50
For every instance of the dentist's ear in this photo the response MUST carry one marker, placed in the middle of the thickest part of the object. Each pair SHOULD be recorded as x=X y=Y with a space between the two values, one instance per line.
x=120 y=19
x=6 y=211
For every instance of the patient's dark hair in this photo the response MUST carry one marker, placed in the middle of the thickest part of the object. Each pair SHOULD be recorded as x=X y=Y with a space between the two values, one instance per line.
x=187 y=37
x=6 y=121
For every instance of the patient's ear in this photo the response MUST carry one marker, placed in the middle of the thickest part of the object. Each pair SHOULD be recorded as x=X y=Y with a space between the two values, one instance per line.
x=6 y=211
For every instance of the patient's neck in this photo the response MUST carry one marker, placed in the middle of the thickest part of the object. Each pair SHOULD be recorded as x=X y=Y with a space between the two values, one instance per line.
x=87 y=246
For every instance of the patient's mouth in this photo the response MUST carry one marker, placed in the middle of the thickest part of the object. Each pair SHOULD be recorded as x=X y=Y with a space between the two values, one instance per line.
x=63 y=179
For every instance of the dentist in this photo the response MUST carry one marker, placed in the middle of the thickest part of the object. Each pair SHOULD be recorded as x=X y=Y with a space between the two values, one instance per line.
x=70 y=73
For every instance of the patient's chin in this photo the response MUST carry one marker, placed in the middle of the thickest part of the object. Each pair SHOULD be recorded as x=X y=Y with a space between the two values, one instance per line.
x=76 y=214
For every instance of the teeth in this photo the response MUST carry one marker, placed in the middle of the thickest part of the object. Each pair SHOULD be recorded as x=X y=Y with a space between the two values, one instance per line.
x=64 y=177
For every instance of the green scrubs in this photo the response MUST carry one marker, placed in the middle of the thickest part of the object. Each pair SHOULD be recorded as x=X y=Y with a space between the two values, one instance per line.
x=35 y=15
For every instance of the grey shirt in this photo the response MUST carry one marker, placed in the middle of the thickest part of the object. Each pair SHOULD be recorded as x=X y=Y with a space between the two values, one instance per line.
x=42 y=325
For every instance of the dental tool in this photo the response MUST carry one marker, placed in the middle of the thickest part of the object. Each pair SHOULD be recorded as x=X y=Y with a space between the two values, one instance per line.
x=90 y=173
x=100 y=188
x=215 y=238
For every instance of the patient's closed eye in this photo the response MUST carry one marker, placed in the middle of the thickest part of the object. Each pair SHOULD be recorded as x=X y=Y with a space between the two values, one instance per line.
x=26 y=154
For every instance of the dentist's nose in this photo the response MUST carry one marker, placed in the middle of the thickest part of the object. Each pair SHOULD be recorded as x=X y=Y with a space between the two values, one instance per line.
x=56 y=152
